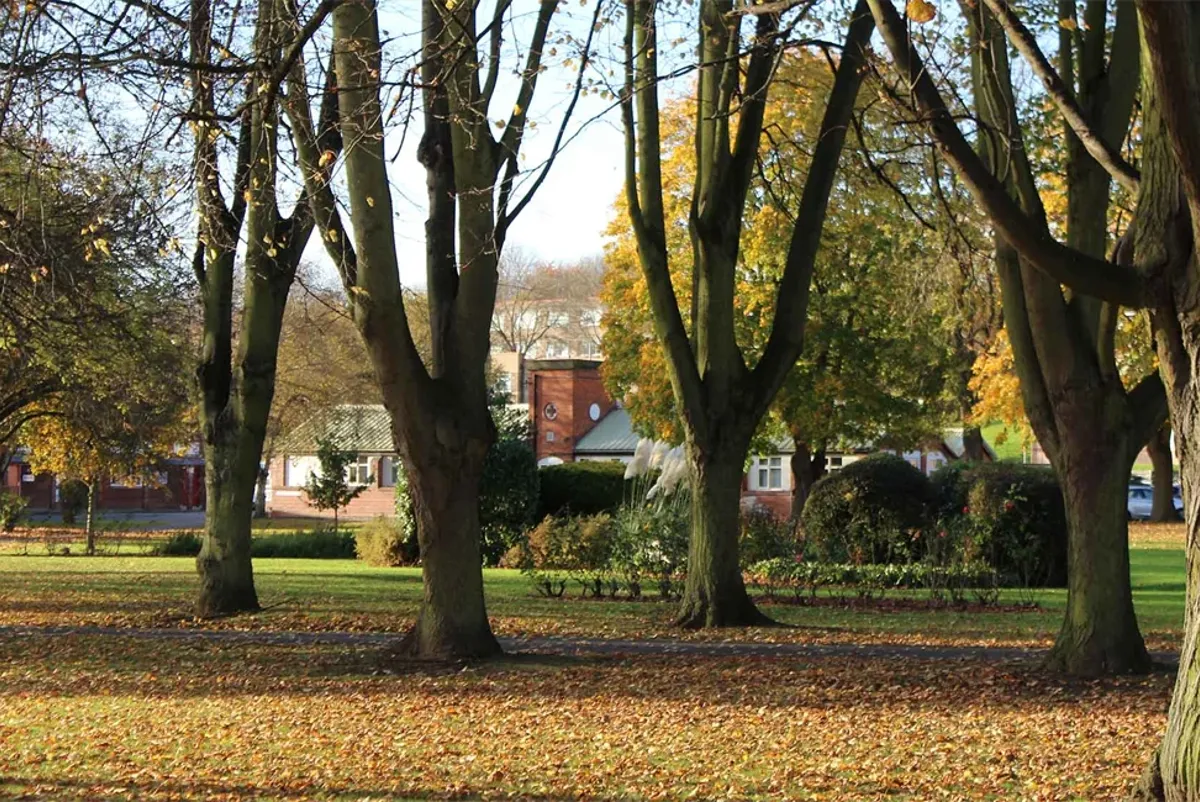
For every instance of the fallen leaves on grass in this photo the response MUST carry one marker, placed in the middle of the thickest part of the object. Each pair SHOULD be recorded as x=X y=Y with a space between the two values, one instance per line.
x=112 y=718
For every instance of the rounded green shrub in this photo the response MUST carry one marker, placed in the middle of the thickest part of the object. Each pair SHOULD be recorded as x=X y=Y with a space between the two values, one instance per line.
x=508 y=497
x=1010 y=516
x=871 y=511
x=581 y=488
x=383 y=541
x=73 y=497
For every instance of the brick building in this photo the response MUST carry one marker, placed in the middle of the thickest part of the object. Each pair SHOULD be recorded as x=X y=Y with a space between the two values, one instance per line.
x=365 y=429
x=567 y=400
x=178 y=484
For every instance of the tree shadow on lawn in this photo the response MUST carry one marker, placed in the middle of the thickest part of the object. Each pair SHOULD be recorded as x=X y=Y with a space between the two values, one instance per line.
x=105 y=788
x=88 y=665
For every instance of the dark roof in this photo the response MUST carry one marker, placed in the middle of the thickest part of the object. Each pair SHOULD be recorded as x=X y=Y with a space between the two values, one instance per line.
x=362 y=428
x=561 y=364
x=612 y=435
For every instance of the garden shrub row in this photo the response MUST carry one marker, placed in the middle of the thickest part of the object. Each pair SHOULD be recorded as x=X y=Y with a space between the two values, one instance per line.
x=881 y=510
x=802 y=581
x=320 y=544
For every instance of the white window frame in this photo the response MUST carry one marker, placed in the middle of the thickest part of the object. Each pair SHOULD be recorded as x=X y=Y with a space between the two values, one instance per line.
x=359 y=472
x=767 y=473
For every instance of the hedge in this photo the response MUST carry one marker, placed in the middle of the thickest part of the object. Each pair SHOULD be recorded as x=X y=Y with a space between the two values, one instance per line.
x=581 y=488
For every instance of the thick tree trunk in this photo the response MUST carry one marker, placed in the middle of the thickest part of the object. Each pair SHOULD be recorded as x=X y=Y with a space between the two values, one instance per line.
x=1100 y=633
x=1174 y=772
x=226 y=574
x=90 y=528
x=452 y=622
x=807 y=468
x=1163 y=477
x=714 y=594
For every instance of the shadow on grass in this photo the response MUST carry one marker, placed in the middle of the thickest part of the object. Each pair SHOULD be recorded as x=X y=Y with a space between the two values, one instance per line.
x=97 y=788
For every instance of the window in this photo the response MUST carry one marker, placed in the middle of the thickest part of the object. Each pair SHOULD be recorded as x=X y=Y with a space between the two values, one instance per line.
x=769 y=473
x=833 y=463
x=359 y=471
x=388 y=466
x=549 y=437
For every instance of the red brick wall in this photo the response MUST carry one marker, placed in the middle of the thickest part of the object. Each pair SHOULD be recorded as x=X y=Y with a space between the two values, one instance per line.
x=288 y=502
x=572 y=390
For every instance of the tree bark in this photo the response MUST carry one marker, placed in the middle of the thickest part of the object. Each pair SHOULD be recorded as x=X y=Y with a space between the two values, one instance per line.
x=973 y=444
x=90 y=528
x=714 y=594
x=1100 y=632
x=226 y=573
x=452 y=622
x=807 y=468
x=1163 y=476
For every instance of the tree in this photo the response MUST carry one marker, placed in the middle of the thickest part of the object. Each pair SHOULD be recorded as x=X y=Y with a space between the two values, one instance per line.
x=439 y=406
x=329 y=489
x=721 y=399
x=1063 y=346
x=133 y=414
x=874 y=357
x=1159 y=272
x=237 y=377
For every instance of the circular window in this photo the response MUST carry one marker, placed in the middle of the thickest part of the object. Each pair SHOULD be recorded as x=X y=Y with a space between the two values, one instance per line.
x=550 y=411
x=594 y=412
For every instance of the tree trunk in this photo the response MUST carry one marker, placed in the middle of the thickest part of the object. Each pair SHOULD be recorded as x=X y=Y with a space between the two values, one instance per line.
x=714 y=594
x=1100 y=633
x=1163 y=478
x=807 y=468
x=90 y=528
x=226 y=574
x=452 y=622
x=973 y=444
x=260 y=496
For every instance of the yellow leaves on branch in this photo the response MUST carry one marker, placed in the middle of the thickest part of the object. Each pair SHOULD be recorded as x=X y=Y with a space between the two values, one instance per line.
x=997 y=389
x=920 y=11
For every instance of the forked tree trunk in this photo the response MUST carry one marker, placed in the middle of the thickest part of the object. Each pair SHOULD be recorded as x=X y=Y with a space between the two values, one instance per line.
x=714 y=594
x=1100 y=632
x=226 y=574
x=1163 y=477
x=452 y=622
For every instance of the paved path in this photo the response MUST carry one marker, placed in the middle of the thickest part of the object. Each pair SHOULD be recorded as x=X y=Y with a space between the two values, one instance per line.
x=576 y=646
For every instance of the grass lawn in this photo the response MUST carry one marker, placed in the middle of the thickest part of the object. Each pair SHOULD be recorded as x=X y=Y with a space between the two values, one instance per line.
x=114 y=718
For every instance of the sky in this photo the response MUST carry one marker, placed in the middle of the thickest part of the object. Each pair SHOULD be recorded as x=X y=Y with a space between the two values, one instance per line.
x=566 y=219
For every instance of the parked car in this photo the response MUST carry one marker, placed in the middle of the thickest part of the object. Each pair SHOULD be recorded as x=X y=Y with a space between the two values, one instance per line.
x=1140 y=501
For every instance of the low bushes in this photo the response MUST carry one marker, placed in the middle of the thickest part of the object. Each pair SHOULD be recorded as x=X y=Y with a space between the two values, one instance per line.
x=641 y=546
x=954 y=584
x=12 y=510
x=1009 y=516
x=868 y=512
x=73 y=496
x=385 y=542
x=581 y=488
x=319 y=544
x=765 y=537
x=180 y=544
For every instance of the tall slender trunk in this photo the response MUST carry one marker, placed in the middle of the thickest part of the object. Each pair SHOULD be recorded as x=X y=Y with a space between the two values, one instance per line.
x=714 y=594
x=452 y=622
x=1100 y=632
x=226 y=573
x=90 y=528
x=1163 y=477
x=973 y=444
x=260 y=496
